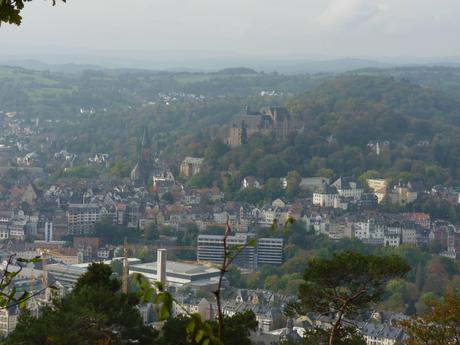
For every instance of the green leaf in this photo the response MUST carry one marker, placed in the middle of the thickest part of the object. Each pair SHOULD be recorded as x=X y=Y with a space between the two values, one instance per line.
x=36 y=259
x=252 y=242
x=23 y=300
x=199 y=336
x=190 y=326
x=159 y=286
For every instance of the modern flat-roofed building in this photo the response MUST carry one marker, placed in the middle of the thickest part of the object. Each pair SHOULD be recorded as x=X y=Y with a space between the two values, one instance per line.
x=269 y=251
x=211 y=249
x=67 y=275
x=265 y=251
x=82 y=217
x=179 y=274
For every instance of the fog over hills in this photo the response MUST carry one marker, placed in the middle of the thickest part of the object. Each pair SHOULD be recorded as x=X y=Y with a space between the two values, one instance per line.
x=67 y=64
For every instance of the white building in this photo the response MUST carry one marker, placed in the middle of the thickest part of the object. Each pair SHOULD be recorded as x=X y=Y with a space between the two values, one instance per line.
x=370 y=231
x=325 y=196
x=269 y=251
x=251 y=182
x=392 y=237
x=82 y=217
x=179 y=274
x=349 y=187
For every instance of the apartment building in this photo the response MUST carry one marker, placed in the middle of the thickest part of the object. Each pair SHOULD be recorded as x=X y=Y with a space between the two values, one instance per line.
x=82 y=217
x=265 y=251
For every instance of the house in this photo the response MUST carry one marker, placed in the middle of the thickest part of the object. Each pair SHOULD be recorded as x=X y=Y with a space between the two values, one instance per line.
x=8 y=319
x=439 y=232
x=264 y=304
x=370 y=231
x=349 y=187
x=403 y=193
x=9 y=315
x=409 y=234
x=381 y=334
x=377 y=183
x=325 y=196
x=251 y=182
x=380 y=329
x=392 y=235
x=419 y=218
x=378 y=187
x=453 y=244
x=367 y=201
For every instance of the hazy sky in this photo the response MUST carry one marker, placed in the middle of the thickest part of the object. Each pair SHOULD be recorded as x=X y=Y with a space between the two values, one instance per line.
x=270 y=28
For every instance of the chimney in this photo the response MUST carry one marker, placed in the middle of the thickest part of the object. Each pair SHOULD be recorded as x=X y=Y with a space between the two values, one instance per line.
x=48 y=232
x=161 y=266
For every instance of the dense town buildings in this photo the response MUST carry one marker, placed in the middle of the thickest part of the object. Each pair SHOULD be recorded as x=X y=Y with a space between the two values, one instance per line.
x=61 y=217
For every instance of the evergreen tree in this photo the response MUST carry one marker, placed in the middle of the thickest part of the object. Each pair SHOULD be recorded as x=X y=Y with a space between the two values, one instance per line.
x=95 y=312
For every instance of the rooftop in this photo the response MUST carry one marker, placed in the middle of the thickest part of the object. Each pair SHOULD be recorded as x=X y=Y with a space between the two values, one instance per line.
x=178 y=268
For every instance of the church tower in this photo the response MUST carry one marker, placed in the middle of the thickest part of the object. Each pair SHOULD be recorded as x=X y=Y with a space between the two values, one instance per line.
x=142 y=170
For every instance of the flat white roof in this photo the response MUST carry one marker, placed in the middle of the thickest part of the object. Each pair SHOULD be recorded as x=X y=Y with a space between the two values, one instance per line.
x=108 y=262
x=178 y=268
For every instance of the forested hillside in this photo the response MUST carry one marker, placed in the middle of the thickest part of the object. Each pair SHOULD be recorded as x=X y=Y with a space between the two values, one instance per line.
x=336 y=118
x=416 y=127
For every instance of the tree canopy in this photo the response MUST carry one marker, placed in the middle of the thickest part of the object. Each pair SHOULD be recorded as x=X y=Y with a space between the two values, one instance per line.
x=10 y=10
x=346 y=284
x=441 y=325
x=95 y=312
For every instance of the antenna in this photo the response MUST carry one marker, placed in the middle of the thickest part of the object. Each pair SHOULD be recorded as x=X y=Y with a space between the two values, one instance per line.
x=125 y=267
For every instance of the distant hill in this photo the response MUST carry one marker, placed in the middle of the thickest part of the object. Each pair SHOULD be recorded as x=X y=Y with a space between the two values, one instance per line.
x=37 y=65
x=356 y=93
x=236 y=71
x=322 y=66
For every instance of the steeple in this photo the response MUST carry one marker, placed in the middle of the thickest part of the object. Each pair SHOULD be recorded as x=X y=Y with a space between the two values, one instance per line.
x=146 y=138
x=141 y=172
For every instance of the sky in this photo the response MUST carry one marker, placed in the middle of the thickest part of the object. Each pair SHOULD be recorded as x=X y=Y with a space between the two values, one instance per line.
x=270 y=29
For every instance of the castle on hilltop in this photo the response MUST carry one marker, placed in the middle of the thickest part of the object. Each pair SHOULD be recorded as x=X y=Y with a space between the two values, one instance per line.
x=267 y=120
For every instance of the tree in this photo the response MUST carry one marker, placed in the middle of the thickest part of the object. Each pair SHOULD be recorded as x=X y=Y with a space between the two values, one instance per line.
x=293 y=180
x=234 y=276
x=95 y=312
x=10 y=10
x=237 y=330
x=273 y=188
x=151 y=232
x=438 y=327
x=168 y=198
x=315 y=336
x=8 y=296
x=346 y=284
